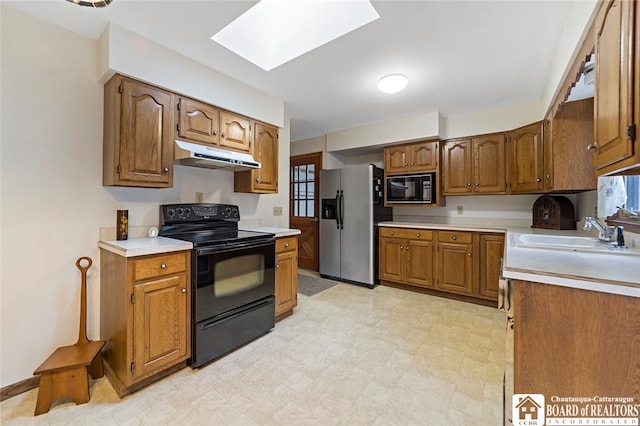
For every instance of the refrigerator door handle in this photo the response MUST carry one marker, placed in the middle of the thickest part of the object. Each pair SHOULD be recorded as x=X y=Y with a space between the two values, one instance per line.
x=338 y=217
x=341 y=210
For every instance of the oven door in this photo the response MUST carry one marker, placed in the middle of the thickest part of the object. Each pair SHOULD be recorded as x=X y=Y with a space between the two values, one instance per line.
x=230 y=276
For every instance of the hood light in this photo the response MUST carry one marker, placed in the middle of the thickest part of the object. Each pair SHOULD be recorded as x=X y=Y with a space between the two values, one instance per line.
x=392 y=83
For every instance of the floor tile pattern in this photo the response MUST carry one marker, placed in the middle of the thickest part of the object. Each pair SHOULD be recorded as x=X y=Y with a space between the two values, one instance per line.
x=348 y=356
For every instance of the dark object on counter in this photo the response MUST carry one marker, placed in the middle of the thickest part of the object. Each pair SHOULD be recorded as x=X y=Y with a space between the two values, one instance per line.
x=122 y=224
x=65 y=373
x=553 y=212
x=620 y=236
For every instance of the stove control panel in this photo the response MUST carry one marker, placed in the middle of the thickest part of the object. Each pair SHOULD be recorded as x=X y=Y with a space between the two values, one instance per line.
x=170 y=213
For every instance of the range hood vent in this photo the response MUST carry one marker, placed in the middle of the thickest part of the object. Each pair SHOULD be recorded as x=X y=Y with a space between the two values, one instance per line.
x=196 y=155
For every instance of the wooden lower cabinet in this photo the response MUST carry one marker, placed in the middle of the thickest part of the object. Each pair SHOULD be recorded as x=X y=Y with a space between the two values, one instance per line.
x=144 y=317
x=570 y=342
x=406 y=256
x=286 y=276
x=453 y=263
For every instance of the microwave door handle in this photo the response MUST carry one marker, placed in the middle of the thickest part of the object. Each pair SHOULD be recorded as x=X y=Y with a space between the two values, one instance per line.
x=341 y=210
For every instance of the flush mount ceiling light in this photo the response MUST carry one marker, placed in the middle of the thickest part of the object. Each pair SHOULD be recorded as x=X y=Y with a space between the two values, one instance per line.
x=392 y=83
x=276 y=31
x=91 y=3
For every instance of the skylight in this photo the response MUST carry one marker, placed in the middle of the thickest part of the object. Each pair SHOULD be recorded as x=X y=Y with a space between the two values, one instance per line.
x=276 y=31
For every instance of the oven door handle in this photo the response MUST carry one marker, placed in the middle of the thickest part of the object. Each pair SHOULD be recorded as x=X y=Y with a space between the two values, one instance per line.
x=222 y=248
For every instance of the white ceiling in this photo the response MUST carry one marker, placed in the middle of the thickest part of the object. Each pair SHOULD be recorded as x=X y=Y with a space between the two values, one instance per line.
x=459 y=55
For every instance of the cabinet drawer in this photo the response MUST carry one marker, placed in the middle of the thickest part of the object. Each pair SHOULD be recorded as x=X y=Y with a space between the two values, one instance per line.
x=410 y=233
x=455 y=236
x=158 y=265
x=286 y=244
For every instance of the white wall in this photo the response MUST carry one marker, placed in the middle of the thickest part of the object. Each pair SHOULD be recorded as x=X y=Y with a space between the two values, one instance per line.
x=52 y=201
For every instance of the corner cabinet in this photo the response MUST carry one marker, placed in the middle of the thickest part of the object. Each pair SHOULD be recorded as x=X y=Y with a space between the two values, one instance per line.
x=265 y=150
x=286 y=276
x=137 y=135
x=144 y=317
x=617 y=94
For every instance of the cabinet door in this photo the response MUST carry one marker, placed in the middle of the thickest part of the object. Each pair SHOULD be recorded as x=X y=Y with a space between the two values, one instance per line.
x=525 y=158
x=198 y=121
x=146 y=139
x=419 y=255
x=424 y=156
x=396 y=160
x=455 y=268
x=265 y=150
x=235 y=131
x=489 y=155
x=613 y=108
x=457 y=166
x=160 y=324
x=392 y=259
x=286 y=281
x=491 y=252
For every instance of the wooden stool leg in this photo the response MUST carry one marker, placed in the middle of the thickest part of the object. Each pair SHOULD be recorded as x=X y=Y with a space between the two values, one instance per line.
x=95 y=368
x=72 y=383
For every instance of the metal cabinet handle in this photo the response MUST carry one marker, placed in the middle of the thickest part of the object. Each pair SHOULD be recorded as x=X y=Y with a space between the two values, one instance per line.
x=477 y=183
x=258 y=180
x=407 y=248
x=392 y=233
x=278 y=265
x=215 y=132
x=454 y=238
x=286 y=244
x=401 y=247
x=412 y=164
x=184 y=290
x=166 y=170
x=224 y=135
x=418 y=235
x=468 y=183
x=163 y=266
x=592 y=146
x=469 y=253
x=538 y=179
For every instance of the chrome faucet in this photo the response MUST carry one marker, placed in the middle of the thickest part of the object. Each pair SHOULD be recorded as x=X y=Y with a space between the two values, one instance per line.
x=606 y=232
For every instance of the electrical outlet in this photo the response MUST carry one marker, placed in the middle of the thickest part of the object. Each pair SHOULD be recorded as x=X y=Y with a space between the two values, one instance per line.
x=199 y=197
x=277 y=211
x=460 y=209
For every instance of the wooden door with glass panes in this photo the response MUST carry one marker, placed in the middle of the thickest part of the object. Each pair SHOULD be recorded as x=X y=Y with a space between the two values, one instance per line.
x=304 y=201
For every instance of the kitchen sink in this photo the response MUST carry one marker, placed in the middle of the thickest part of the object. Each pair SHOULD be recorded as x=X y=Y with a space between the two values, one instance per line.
x=558 y=241
x=568 y=243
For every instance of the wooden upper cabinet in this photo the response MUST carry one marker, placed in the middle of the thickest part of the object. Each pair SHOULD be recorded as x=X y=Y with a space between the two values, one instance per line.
x=138 y=134
x=235 y=131
x=525 y=158
x=489 y=155
x=198 y=121
x=457 y=166
x=265 y=150
x=568 y=163
x=474 y=165
x=412 y=158
x=613 y=73
x=615 y=139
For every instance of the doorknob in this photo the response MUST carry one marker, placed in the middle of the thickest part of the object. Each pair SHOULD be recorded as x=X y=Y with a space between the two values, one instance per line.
x=315 y=219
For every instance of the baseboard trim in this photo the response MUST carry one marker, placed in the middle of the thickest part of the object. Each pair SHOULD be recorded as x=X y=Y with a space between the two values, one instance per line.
x=453 y=296
x=17 y=388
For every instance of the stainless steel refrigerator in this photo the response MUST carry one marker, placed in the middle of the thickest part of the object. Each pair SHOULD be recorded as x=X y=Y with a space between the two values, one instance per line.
x=351 y=206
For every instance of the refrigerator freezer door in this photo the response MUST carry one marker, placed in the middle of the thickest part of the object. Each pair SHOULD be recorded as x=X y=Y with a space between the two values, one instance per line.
x=329 y=228
x=357 y=232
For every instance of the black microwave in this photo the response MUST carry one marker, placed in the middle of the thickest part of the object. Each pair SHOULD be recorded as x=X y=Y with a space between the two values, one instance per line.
x=410 y=189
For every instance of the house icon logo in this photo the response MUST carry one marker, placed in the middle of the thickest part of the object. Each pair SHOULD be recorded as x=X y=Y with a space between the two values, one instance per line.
x=528 y=409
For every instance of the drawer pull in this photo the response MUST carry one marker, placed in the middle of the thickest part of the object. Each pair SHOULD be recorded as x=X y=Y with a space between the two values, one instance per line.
x=401 y=247
x=469 y=253
x=407 y=248
x=418 y=235
x=393 y=233
x=163 y=266
x=286 y=244
x=454 y=238
x=184 y=290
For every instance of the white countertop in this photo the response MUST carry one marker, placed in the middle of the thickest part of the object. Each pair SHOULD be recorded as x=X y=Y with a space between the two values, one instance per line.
x=279 y=232
x=143 y=246
x=610 y=272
